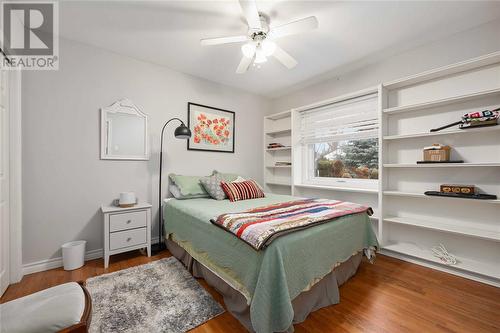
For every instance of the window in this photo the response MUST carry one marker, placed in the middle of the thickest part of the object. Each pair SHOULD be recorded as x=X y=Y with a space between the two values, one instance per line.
x=350 y=159
x=340 y=143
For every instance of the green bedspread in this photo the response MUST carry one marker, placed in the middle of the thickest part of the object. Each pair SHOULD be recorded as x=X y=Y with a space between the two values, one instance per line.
x=269 y=279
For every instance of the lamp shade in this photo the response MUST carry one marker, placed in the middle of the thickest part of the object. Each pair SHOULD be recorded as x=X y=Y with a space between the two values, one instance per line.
x=248 y=50
x=268 y=47
x=260 y=56
x=182 y=132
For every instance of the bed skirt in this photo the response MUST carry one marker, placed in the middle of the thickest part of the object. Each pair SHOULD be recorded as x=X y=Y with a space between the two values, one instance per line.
x=323 y=293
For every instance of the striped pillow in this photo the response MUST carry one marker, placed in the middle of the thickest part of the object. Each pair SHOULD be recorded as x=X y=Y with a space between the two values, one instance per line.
x=237 y=191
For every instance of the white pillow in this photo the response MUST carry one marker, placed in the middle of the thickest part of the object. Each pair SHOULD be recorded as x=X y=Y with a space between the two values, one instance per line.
x=239 y=180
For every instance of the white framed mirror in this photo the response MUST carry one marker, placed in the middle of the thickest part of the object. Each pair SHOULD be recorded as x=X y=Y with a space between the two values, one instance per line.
x=124 y=132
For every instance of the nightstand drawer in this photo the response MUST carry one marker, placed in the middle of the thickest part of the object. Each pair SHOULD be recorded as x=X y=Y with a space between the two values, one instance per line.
x=127 y=238
x=126 y=221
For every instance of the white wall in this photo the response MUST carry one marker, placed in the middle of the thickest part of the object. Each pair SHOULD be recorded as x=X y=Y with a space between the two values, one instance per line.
x=462 y=46
x=65 y=182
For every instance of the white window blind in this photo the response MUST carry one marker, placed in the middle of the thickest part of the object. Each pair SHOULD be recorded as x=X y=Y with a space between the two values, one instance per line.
x=352 y=119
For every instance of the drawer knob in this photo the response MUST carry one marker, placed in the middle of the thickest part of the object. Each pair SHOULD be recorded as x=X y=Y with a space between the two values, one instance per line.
x=129 y=221
x=129 y=239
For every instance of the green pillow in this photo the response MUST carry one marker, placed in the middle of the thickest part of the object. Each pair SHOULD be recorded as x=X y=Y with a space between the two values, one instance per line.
x=188 y=185
x=228 y=177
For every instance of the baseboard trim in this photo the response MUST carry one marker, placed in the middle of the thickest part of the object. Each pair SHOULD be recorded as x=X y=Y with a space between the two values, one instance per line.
x=45 y=265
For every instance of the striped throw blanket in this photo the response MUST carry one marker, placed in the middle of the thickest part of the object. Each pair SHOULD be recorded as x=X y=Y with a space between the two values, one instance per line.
x=260 y=226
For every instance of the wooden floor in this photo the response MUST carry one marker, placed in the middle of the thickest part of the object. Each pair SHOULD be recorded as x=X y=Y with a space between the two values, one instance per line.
x=389 y=296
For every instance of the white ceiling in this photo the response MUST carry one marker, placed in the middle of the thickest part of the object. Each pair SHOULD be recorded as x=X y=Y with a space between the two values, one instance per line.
x=168 y=33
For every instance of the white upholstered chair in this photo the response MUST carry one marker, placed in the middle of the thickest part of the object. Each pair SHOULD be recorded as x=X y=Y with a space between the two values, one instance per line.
x=64 y=308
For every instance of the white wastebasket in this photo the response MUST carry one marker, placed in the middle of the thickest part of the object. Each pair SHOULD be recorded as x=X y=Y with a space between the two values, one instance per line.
x=73 y=254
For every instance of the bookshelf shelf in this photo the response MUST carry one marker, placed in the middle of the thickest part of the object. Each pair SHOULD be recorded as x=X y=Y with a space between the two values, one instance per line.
x=466 y=264
x=444 y=132
x=446 y=71
x=441 y=102
x=279 y=166
x=278 y=132
x=493 y=234
x=430 y=197
x=441 y=165
x=278 y=149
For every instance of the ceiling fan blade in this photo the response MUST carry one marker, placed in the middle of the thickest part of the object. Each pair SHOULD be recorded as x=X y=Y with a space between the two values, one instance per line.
x=244 y=64
x=223 y=40
x=284 y=58
x=295 y=27
x=249 y=8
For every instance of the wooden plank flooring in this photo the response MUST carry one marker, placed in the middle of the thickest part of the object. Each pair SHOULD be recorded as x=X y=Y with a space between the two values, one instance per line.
x=389 y=296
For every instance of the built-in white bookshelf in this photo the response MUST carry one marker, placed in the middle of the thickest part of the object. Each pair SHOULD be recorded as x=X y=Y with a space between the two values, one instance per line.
x=412 y=222
x=278 y=129
x=408 y=222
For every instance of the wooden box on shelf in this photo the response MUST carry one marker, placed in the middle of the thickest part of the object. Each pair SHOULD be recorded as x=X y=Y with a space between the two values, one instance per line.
x=462 y=189
x=437 y=153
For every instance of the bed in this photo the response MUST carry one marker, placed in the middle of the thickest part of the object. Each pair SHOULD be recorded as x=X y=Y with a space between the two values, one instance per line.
x=270 y=289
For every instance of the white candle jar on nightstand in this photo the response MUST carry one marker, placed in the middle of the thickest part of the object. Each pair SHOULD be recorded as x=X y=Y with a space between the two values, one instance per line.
x=126 y=229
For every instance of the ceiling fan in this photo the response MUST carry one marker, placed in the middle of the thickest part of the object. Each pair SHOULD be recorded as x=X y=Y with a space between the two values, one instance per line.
x=260 y=37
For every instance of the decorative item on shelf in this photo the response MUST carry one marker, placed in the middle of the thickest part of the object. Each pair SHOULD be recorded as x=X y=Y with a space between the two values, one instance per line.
x=437 y=162
x=283 y=163
x=437 y=153
x=275 y=145
x=442 y=254
x=452 y=192
x=126 y=200
x=461 y=189
x=474 y=119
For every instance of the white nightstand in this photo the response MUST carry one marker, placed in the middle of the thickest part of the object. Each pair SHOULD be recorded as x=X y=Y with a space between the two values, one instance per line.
x=126 y=229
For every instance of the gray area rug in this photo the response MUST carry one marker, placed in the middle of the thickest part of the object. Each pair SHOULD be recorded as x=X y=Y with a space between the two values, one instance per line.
x=160 y=296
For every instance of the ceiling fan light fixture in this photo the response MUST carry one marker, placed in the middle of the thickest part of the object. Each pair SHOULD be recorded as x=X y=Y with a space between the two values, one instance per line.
x=268 y=47
x=260 y=37
x=248 y=50
x=260 y=56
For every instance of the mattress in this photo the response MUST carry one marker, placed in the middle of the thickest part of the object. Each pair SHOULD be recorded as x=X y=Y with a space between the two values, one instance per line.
x=268 y=279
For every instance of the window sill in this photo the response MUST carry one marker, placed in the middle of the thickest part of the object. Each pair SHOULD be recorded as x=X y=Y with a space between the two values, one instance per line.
x=339 y=188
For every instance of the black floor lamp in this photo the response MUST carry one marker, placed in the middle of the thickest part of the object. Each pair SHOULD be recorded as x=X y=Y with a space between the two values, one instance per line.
x=181 y=132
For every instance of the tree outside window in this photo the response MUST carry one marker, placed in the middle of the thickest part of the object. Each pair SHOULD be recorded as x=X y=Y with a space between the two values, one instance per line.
x=357 y=159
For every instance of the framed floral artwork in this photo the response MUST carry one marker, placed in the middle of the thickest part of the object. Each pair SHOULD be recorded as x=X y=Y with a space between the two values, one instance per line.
x=212 y=128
